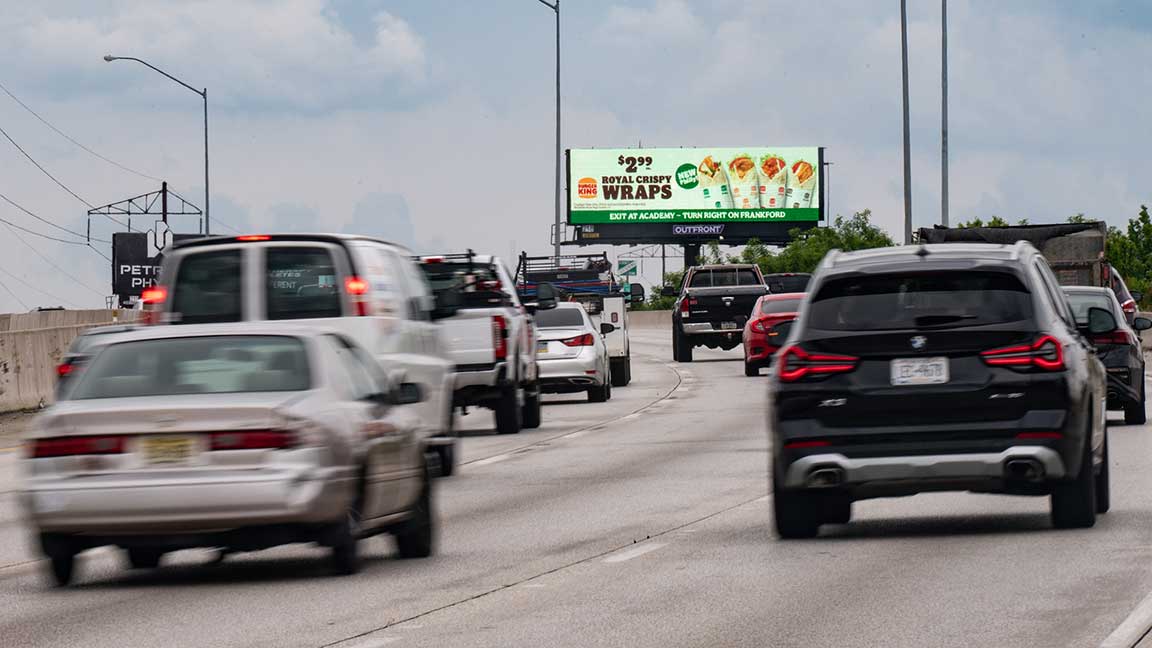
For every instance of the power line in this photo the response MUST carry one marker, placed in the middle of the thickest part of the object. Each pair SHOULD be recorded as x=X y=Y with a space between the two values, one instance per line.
x=62 y=271
x=18 y=300
x=106 y=257
x=70 y=139
x=43 y=170
x=45 y=220
x=39 y=290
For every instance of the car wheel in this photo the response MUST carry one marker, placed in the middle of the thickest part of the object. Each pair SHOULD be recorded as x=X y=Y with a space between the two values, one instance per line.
x=1074 y=502
x=794 y=512
x=530 y=417
x=447 y=456
x=416 y=537
x=837 y=509
x=751 y=369
x=1134 y=413
x=345 y=555
x=675 y=343
x=685 y=347
x=619 y=374
x=627 y=369
x=1103 y=483
x=144 y=558
x=61 y=555
x=508 y=412
x=599 y=394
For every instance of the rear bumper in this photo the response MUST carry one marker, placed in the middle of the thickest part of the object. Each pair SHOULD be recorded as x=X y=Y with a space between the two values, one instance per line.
x=564 y=375
x=1121 y=389
x=758 y=351
x=917 y=473
x=474 y=384
x=705 y=328
x=235 y=499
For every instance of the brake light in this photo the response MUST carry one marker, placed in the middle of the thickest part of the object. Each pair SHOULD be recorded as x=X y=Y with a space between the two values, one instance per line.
x=758 y=326
x=253 y=440
x=65 y=370
x=797 y=364
x=1115 y=337
x=500 y=336
x=686 y=304
x=433 y=259
x=1129 y=306
x=579 y=341
x=77 y=445
x=1045 y=353
x=154 y=295
x=800 y=445
x=357 y=288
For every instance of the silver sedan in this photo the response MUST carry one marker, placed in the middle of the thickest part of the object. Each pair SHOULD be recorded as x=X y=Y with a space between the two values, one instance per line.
x=239 y=437
x=571 y=353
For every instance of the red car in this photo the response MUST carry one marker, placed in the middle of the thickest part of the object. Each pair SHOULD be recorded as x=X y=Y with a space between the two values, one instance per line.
x=766 y=329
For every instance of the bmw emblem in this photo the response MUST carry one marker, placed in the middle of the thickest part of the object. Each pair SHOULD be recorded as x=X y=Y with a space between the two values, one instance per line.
x=919 y=342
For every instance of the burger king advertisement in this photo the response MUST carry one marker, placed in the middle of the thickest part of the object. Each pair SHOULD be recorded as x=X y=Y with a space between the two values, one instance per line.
x=682 y=185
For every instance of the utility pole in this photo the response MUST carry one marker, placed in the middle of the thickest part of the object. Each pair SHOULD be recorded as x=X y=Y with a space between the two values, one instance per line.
x=944 y=113
x=907 y=135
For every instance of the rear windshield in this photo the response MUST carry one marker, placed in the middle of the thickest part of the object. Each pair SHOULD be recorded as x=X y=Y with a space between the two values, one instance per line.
x=301 y=283
x=560 y=318
x=787 y=284
x=479 y=285
x=208 y=288
x=771 y=307
x=197 y=365
x=947 y=299
x=1082 y=301
x=85 y=341
x=726 y=277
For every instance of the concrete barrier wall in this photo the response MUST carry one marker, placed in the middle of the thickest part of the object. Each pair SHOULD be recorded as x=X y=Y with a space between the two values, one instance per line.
x=650 y=319
x=28 y=362
x=53 y=319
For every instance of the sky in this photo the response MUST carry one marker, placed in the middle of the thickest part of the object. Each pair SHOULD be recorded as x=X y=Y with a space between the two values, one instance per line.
x=430 y=122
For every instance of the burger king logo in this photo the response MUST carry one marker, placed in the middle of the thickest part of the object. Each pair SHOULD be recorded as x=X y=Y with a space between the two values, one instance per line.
x=586 y=188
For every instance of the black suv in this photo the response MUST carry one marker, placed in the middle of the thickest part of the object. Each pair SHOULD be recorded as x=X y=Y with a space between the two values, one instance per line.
x=955 y=367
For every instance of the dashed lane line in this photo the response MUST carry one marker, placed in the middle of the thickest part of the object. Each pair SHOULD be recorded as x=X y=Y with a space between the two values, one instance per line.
x=635 y=552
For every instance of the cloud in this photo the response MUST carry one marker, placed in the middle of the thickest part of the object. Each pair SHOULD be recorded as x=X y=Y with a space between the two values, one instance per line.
x=294 y=218
x=383 y=215
x=662 y=20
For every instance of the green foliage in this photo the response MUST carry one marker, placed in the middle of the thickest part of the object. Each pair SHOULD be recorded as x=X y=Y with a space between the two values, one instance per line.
x=808 y=247
x=655 y=301
x=1079 y=218
x=1130 y=251
x=995 y=221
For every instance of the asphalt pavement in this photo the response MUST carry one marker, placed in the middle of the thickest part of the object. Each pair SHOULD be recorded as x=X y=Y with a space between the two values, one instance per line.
x=640 y=522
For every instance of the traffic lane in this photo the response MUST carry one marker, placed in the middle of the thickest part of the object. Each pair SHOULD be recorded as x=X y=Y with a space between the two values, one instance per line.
x=692 y=454
x=948 y=569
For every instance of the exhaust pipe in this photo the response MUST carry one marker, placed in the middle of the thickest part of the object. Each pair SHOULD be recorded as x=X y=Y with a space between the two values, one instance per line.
x=1024 y=470
x=825 y=478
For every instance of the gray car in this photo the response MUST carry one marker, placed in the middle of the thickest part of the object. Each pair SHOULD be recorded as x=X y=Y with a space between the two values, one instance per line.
x=234 y=436
x=571 y=353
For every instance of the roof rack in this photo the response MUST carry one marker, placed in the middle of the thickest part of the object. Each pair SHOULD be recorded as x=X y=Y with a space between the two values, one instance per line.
x=1018 y=249
x=830 y=258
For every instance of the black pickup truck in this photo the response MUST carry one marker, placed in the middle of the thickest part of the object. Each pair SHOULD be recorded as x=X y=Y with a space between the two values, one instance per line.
x=713 y=304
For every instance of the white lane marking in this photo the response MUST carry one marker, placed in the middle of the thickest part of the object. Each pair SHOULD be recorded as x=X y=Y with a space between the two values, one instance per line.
x=761 y=499
x=373 y=643
x=491 y=460
x=578 y=434
x=534 y=585
x=1133 y=628
x=634 y=552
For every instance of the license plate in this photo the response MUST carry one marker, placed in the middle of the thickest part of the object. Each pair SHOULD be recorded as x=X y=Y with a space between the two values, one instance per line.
x=168 y=449
x=541 y=347
x=728 y=326
x=920 y=371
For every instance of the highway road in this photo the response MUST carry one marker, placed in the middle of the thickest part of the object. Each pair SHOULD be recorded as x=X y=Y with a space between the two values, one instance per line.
x=642 y=522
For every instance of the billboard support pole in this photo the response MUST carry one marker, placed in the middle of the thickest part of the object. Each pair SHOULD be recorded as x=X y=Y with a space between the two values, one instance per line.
x=907 y=136
x=691 y=254
x=944 y=113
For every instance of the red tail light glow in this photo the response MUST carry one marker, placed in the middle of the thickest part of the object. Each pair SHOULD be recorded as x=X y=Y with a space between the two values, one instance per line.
x=154 y=295
x=253 y=440
x=579 y=341
x=65 y=370
x=1115 y=337
x=797 y=364
x=758 y=326
x=358 y=288
x=800 y=445
x=76 y=445
x=254 y=237
x=500 y=336
x=1045 y=353
x=1129 y=306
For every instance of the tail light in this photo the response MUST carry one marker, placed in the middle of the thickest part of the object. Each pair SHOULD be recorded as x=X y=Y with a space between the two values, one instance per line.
x=250 y=238
x=801 y=445
x=797 y=364
x=686 y=305
x=1115 y=337
x=580 y=341
x=1129 y=306
x=66 y=369
x=153 y=300
x=1045 y=353
x=357 y=288
x=500 y=336
x=254 y=440
x=758 y=326
x=76 y=445
x=1040 y=435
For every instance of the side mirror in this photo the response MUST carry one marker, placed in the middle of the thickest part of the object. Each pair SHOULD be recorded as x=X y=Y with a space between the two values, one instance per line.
x=407 y=394
x=1137 y=295
x=636 y=293
x=1142 y=324
x=447 y=304
x=669 y=291
x=545 y=296
x=1100 y=321
x=607 y=328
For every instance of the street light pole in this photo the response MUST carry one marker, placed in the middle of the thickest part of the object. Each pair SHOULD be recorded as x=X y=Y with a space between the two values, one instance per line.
x=555 y=6
x=944 y=113
x=203 y=95
x=907 y=136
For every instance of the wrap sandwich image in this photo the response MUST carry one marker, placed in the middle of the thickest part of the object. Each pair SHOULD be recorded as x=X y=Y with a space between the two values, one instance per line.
x=801 y=184
x=743 y=182
x=714 y=184
x=773 y=173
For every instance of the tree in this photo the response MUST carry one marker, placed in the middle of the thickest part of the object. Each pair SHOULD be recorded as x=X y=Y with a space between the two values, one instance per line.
x=808 y=247
x=1079 y=218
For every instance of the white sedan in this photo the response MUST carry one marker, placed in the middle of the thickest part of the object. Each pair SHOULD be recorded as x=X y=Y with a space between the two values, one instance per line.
x=571 y=353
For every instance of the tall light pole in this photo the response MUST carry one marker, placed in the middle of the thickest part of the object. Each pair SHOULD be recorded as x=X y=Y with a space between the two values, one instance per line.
x=555 y=6
x=907 y=136
x=944 y=113
x=203 y=95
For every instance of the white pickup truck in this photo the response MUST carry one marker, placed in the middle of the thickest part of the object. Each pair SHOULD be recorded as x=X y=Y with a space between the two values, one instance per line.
x=491 y=339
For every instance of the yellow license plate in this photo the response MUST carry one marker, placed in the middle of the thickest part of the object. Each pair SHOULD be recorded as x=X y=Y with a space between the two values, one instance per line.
x=168 y=449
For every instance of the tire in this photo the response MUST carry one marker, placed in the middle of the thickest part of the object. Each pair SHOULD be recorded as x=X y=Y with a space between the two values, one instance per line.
x=507 y=412
x=837 y=509
x=794 y=513
x=751 y=369
x=447 y=454
x=600 y=394
x=416 y=537
x=144 y=558
x=619 y=373
x=628 y=369
x=675 y=343
x=1134 y=413
x=61 y=554
x=684 y=347
x=1103 y=483
x=530 y=416
x=345 y=551
x=1074 y=502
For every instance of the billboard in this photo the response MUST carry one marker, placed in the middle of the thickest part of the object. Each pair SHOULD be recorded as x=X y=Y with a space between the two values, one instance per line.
x=134 y=266
x=695 y=185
